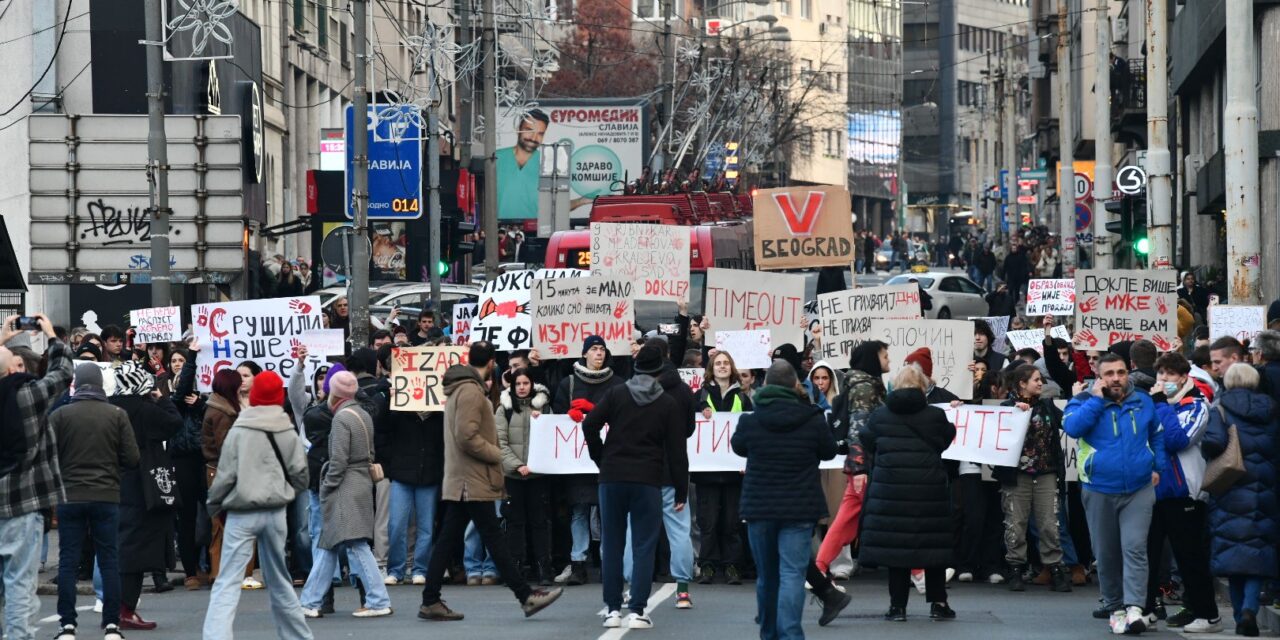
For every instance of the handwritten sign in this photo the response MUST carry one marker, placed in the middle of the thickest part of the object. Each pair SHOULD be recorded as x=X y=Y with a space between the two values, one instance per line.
x=999 y=327
x=750 y=349
x=950 y=344
x=847 y=316
x=267 y=332
x=986 y=434
x=567 y=311
x=502 y=317
x=1051 y=297
x=802 y=227
x=464 y=314
x=1237 y=321
x=157 y=324
x=1121 y=305
x=654 y=256
x=1034 y=338
x=692 y=377
x=417 y=376
x=325 y=342
x=739 y=299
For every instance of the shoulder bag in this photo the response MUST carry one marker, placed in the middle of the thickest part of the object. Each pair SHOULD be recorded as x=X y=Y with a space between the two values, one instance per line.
x=375 y=469
x=1225 y=470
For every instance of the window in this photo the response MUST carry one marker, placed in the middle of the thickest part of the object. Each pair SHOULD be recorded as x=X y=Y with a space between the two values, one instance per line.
x=832 y=146
x=806 y=9
x=784 y=7
x=806 y=71
x=646 y=9
x=920 y=37
x=322 y=24
x=949 y=285
x=919 y=92
x=804 y=140
x=969 y=287
x=299 y=14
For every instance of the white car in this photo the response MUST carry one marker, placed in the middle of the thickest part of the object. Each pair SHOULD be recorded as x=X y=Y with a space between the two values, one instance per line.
x=417 y=295
x=953 y=295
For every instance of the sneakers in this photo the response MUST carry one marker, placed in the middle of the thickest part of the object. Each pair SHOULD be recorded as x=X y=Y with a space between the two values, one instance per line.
x=951 y=573
x=473 y=581
x=1203 y=625
x=488 y=581
x=683 y=601
x=540 y=599
x=419 y=579
x=833 y=603
x=97 y=606
x=365 y=612
x=731 y=575
x=965 y=576
x=110 y=632
x=639 y=621
x=1180 y=619
x=917 y=578
x=564 y=575
x=311 y=613
x=707 y=575
x=1103 y=613
x=438 y=612
x=613 y=620
x=391 y=581
x=250 y=584
x=68 y=632
x=1117 y=622
x=1135 y=621
x=941 y=611
x=995 y=578
x=896 y=614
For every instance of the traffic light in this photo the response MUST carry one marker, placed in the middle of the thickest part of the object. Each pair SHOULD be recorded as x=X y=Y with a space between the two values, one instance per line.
x=455 y=240
x=1138 y=230
x=1131 y=226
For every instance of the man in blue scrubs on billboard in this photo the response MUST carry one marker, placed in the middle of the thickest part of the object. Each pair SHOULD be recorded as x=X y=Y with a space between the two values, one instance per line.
x=519 y=168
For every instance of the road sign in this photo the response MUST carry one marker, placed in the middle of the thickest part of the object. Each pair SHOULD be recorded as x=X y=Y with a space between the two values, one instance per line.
x=1034 y=174
x=1031 y=199
x=1082 y=186
x=395 y=165
x=1131 y=180
x=1084 y=217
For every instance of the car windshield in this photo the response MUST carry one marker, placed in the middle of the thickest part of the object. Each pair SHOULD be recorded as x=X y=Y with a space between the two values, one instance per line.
x=925 y=281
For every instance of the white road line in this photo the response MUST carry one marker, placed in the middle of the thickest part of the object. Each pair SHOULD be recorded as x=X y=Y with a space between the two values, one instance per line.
x=54 y=617
x=656 y=599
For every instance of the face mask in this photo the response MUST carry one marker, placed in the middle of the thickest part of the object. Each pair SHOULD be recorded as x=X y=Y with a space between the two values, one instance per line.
x=1170 y=388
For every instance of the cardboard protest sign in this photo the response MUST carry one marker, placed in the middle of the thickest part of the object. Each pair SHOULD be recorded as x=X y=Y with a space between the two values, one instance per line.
x=692 y=377
x=1236 y=321
x=157 y=324
x=950 y=344
x=324 y=342
x=999 y=326
x=1034 y=338
x=802 y=227
x=264 y=331
x=1115 y=305
x=847 y=316
x=502 y=316
x=653 y=256
x=750 y=349
x=738 y=299
x=417 y=376
x=568 y=310
x=986 y=434
x=1051 y=297
x=464 y=314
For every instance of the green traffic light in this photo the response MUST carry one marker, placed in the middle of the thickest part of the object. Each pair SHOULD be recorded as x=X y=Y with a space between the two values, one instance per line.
x=443 y=268
x=1142 y=245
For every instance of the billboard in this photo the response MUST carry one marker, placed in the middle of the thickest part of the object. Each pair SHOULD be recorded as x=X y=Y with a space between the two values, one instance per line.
x=607 y=139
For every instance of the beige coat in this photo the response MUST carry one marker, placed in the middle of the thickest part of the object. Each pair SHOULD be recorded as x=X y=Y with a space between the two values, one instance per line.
x=472 y=459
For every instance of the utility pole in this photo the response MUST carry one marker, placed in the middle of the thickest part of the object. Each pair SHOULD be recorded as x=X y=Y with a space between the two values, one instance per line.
x=488 y=109
x=1101 y=135
x=358 y=283
x=1240 y=135
x=1159 y=176
x=996 y=218
x=668 y=83
x=1066 y=146
x=466 y=92
x=1010 y=152
x=433 y=184
x=157 y=157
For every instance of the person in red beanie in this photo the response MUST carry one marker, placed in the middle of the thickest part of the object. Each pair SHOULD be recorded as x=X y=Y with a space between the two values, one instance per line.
x=923 y=358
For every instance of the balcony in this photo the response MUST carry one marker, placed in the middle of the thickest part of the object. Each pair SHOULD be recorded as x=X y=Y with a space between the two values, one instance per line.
x=1129 y=98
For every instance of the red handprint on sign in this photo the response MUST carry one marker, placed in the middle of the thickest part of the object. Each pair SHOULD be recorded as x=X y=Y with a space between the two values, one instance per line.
x=1089 y=305
x=560 y=349
x=401 y=357
x=1160 y=304
x=419 y=388
x=299 y=307
x=293 y=347
x=203 y=318
x=1085 y=336
x=1161 y=342
x=677 y=243
x=620 y=310
x=206 y=375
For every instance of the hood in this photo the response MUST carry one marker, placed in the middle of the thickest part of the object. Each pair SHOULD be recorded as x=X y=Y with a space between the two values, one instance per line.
x=1141 y=379
x=538 y=400
x=269 y=418
x=644 y=389
x=1250 y=405
x=218 y=402
x=1205 y=377
x=669 y=377
x=835 y=379
x=458 y=375
x=779 y=409
x=904 y=401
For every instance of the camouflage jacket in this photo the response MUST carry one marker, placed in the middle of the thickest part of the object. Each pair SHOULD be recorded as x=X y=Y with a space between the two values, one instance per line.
x=862 y=394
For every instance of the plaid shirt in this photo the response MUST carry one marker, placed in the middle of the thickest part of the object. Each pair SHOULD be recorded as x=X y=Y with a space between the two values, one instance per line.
x=37 y=482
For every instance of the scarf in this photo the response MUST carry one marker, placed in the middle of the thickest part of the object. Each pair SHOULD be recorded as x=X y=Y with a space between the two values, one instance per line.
x=133 y=380
x=88 y=392
x=588 y=376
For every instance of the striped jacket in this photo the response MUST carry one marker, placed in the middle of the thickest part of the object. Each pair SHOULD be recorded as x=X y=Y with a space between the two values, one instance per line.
x=37 y=482
x=1185 y=464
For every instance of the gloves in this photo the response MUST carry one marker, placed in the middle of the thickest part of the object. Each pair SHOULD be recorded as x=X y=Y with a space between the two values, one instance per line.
x=578 y=409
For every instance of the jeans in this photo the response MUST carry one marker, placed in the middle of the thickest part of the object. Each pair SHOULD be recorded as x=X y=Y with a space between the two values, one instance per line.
x=844 y=528
x=781 y=550
x=641 y=506
x=476 y=559
x=580 y=526
x=1118 y=525
x=101 y=521
x=456 y=517
x=381 y=521
x=1244 y=594
x=363 y=565
x=300 y=533
x=267 y=527
x=19 y=566
x=677 y=525
x=421 y=501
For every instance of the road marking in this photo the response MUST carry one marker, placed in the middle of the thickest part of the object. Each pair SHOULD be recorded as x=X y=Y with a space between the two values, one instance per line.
x=656 y=599
x=55 y=617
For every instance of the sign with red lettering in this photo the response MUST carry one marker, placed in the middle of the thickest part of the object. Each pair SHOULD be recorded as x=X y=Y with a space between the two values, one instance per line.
x=267 y=332
x=847 y=315
x=1114 y=305
x=463 y=314
x=739 y=300
x=156 y=325
x=987 y=435
x=653 y=256
x=803 y=227
x=950 y=345
x=417 y=376
x=1051 y=297
x=568 y=310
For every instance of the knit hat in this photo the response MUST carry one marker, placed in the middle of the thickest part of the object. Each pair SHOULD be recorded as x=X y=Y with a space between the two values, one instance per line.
x=592 y=341
x=333 y=371
x=343 y=386
x=88 y=348
x=789 y=353
x=88 y=374
x=648 y=359
x=268 y=389
x=924 y=358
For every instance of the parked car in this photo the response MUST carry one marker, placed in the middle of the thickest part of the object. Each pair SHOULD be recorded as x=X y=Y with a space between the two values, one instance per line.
x=953 y=295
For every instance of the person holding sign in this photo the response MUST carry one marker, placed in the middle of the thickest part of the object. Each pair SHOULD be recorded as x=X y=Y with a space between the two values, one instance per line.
x=1030 y=490
x=720 y=492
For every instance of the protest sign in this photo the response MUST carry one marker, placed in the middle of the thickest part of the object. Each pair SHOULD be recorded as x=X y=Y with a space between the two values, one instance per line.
x=157 y=324
x=653 y=256
x=1236 y=321
x=739 y=299
x=324 y=342
x=999 y=326
x=692 y=377
x=1051 y=297
x=568 y=310
x=802 y=227
x=417 y=376
x=950 y=344
x=502 y=315
x=750 y=349
x=847 y=316
x=267 y=332
x=1115 y=305
x=551 y=274
x=464 y=314
x=986 y=434
x=1034 y=338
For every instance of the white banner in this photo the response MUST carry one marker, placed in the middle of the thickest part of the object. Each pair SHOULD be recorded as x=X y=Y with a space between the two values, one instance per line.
x=463 y=315
x=738 y=299
x=157 y=324
x=1051 y=297
x=264 y=331
x=1239 y=322
x=502 y=317
x=847 y=316
x=324 y=342
x=986 y=434
x=950 y=344
x=750 y=349
x=1034 y=338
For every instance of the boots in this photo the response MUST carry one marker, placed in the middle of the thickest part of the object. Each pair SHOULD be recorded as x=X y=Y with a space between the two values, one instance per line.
x=1015 y=578
x=579 y=574
x=833 y=602
x=546 y=573
x=1061 y=578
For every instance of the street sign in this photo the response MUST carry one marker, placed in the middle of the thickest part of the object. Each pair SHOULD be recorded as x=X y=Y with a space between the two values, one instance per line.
x=1031 y=199
x=395 y=165
x=1084 y=217
x=714 y=25
x=1082 y=186
x=1131 y=180
x=1084 y=238
x=1034 y=174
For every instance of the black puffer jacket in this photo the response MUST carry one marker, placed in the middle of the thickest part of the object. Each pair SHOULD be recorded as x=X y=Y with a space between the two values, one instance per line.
x=783 y=441
x=317 y=421
x=732 y=400
x=906 y=519
x=410 y=447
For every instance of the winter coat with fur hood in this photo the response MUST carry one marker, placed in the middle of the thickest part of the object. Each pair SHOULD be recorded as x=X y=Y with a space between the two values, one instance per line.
x=513 y=422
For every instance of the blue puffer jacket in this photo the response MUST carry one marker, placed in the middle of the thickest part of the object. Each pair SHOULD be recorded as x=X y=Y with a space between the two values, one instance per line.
x=1120 y=444
x=1244 y=522
x=1184 y=423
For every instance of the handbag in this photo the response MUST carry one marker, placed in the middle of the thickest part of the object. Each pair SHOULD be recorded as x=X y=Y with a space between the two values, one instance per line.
x=1224 y=471
x=375 y=468
x=159 y=478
